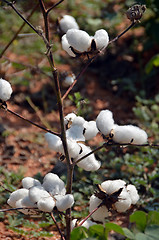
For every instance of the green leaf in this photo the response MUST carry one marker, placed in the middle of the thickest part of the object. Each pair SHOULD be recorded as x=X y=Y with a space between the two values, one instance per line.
x=97 y=230
x=154 y=61
x=141 y=236
x=79 y=233
x=152 y=231
x=140 y=219
x=128 y=233
x=112 y=226
x=153 y=218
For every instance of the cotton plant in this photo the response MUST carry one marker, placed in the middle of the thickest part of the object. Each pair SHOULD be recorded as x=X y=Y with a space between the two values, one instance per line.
x=119 y=134
x=76 y=42
x=112 y=195
x=35 y=197
x=79 y=130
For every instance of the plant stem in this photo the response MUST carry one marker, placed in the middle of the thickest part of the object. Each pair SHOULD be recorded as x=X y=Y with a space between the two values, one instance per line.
x=57 y=226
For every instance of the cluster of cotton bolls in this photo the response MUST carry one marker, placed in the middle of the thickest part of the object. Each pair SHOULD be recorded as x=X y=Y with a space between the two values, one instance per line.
x=77 y=133
x=128 y=195
x=5 y=90
x=76 y=41
x=41 y=197
x=119 y=134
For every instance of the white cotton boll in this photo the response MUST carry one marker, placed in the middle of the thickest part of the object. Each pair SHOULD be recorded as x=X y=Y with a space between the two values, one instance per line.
x=46 y=204
x=69 y=80
x=111 y=186
x=64 y=202
x=101 y=213
x=73 y=223
x=78 y=121
x=69 y=118
x=66 y=46
x=29 y=182
x=54 y=142
x=89 y=163
x=105 y=122
x=73 y=148
x=101 y=39
x=36 y=193
x=53 y=184
x=124 y=201
x=133 y=193
x=129 y=134
x=5 y=90
x=79 y=40
x=16 y=195
x=22 y=203
x=88 y=223
x=75 y=132
x=68 y=22
x=90 y=130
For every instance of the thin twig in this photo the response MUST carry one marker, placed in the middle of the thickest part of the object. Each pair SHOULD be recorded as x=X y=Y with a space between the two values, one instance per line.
x=13 y=209
x=57 y=226
x=5 y=187
x=55 y=5
x=19 y=30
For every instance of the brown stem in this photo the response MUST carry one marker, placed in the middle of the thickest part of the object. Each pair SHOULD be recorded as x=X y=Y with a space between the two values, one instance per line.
x=45 y=16
x=55 y=5
x=57 y=226
x=5 y=187
x=13 y=209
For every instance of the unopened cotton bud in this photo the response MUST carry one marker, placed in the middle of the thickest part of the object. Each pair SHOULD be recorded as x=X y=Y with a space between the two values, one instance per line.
x=69 y=118
x=129 y=134
x=90 y=130
x=69 y=80
x=124 y=201
x=66 y=46
x=46 y=204
x=36 y=193
x=89 y=163
x=133 y=193
x=54 y=142
x=111 y=186
x=79 y=40
x=29 y=182
x=53 y=184
x=68 y=22
x=16 y=195
x=105 y=122
x=5 y=90
x=101 y=39
x=101 y=213
x=64 y=202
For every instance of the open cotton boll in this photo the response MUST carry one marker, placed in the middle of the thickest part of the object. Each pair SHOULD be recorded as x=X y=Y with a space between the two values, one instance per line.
x=64 y=202
x=68 y=22
x=78 y=121
x=5 y=90
x=73 y=148
x=111 y=186
x=46 y=204
x=129 y=134
x=88 y=223
x=53 y=184
x=29 y=182
x=90 y=130
x=54 y=142
x=101 y=39
x=105 y=122
x=20 y=204
x=124 y=201
x=69 y=80
x=73 y=223
x=66 y=46
x=75 y=132
x=16 y=195
x=101 y=213
x=89 y=163
x=69 y=118
x=133 y=193
x=79 y=40
x=36 y=193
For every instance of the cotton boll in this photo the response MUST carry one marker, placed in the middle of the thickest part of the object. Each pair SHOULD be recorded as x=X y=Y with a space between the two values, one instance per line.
x=66 y=46
x=124 y=201
x=78 y=121
x=101 y=39
x=129 y=134
x=101 y=213
x=73 y=148
x=36 y=193
x=73 y=223
x=68 y=22
x=90 y=130
x=133 y=193
x=29 y=182
x=89 y=163
x=20 y=204
x=64 y=202
x=79 y=40
x=16 y=195
x=88 y=223
x=105 y=122
x=69 y=118
x=53 y=184
x=54 y=142
x=69 y=80
x=46 y=204
x=5 y=90
x=75 y=132
x=111 y=186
